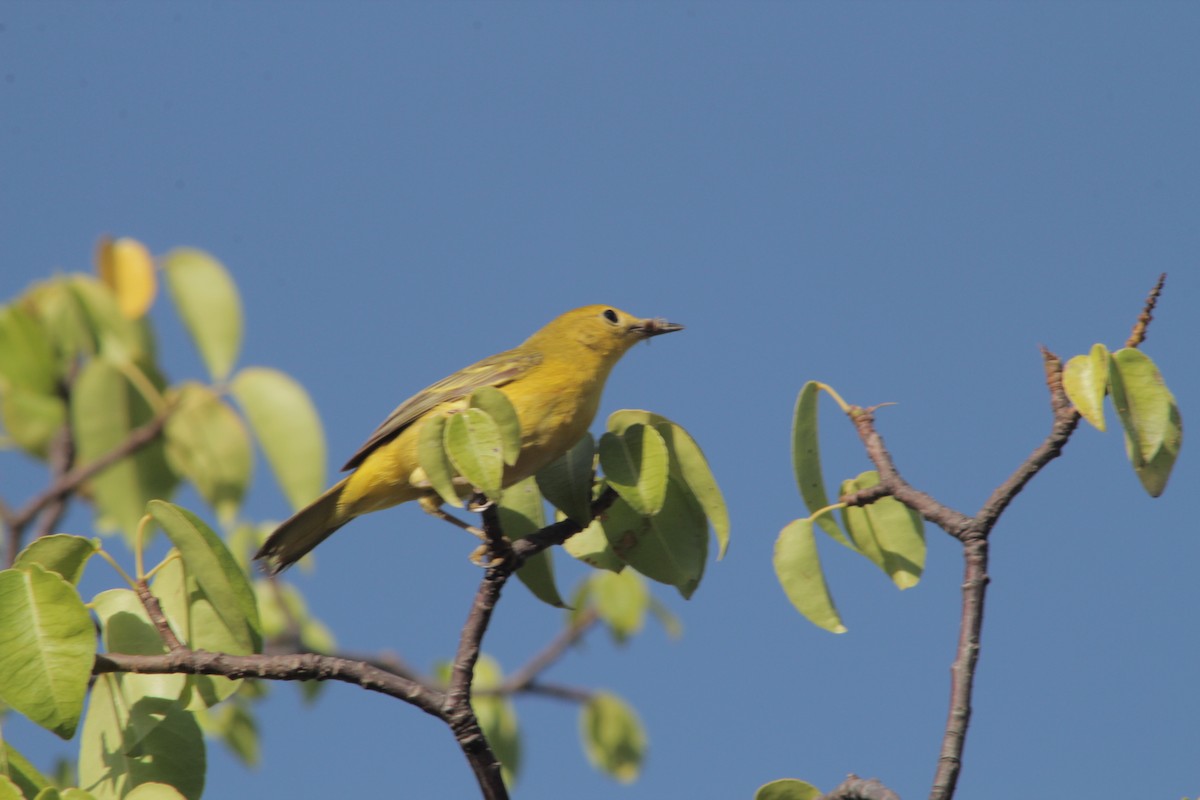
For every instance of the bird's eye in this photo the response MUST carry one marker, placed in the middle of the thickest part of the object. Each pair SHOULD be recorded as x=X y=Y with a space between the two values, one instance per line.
x=610 y=315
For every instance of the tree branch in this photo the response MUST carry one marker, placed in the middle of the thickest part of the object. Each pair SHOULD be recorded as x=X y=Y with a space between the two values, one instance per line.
x=526 y=676
x=296 y=667
x=67 y=483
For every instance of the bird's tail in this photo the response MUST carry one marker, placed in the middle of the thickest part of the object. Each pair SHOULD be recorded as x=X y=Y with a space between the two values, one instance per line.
x=306 y=529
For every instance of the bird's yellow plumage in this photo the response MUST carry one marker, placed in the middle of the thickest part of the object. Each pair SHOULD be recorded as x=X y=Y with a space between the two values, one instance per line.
x=553 y=380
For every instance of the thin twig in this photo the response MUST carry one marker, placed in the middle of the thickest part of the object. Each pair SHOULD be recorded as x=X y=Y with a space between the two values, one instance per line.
x=296 y=667
x=523 y=678
x=68 y=483
x=157 y=617
x=1138 y=335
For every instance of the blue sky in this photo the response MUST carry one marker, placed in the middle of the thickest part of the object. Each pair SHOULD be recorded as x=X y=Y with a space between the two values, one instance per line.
x=902 y=200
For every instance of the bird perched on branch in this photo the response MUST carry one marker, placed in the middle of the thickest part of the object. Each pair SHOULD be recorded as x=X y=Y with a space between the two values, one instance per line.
x=553 y=381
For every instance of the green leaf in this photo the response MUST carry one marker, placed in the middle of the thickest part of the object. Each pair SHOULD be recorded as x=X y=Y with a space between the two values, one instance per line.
x=613 y=738
x=116 y=337
x=49 y=647
x=497 y=717
x=236 y=727
x=26 y=353
x=432 y=458
x=521 y=513
x=669 y=547
x=496 y=405
x=1154 y=473
x=215 y=571
x=209 y=305
x=787 y=789
x=32 y=419
x=636 y=464
x=1085 y=380
x=287 y=427
x=126 y=744
x=207 y=443
x=9 y=790
x=22 y=773
x=1143 y=402
x=621 y=601
x=472 y=442
x=798 y=568
x=806 y=460
x=62 y=553
x=105 y=410
x=567 y=481
x=154 y=791
x=688 y=465
x=591 y=547
x=887 y=532
x=126 y=628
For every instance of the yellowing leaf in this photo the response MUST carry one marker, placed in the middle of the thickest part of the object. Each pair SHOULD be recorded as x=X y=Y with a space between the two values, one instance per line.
x=126 y=267
x=887 y=532
x=798 y=568
x=613 y=737
x=1085 y=380
x=1155 y=472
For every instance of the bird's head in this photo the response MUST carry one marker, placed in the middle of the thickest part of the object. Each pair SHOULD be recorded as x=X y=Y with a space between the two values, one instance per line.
x=604 y=330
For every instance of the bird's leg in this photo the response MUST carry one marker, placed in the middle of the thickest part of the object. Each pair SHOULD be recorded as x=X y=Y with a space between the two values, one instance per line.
x=484 y=554
x=433 y=506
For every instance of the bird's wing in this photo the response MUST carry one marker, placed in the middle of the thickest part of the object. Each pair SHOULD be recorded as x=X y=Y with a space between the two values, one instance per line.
x=496 y=370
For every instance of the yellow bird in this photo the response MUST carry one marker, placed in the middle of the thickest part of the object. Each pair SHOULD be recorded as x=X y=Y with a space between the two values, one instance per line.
x=553 y=380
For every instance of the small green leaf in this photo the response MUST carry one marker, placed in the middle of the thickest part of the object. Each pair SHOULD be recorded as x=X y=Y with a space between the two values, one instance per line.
x=207 y=443
x=798 y=568
x=636 y=464
x=126 y=744
x=497 y=406
x=125 y=628
x=32 y=419
x=26 y=353
x=521 y=513
x=472 y=442
x=233 y=724
x=688 y=465
x=49 y=647
x=62 y=553
x=9 y=790
x=153 y=791
x=287 y=427
x=621 y=601
x=670 y=547
x=591 y=547
x=806 y=460
x=209 y=305
x=215 y=571
x=119 y=339
x=887 y=532
x=613 y=737
x=787 y=789
x=497 y=717
x=1154 y=473
x=431 y=455
x=1085 y=380
x=22 y=773
x=567 y=481
x=105 y=410
x=1143 y=402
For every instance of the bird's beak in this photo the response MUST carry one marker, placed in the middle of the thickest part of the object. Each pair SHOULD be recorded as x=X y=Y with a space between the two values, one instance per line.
x=655 y=326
